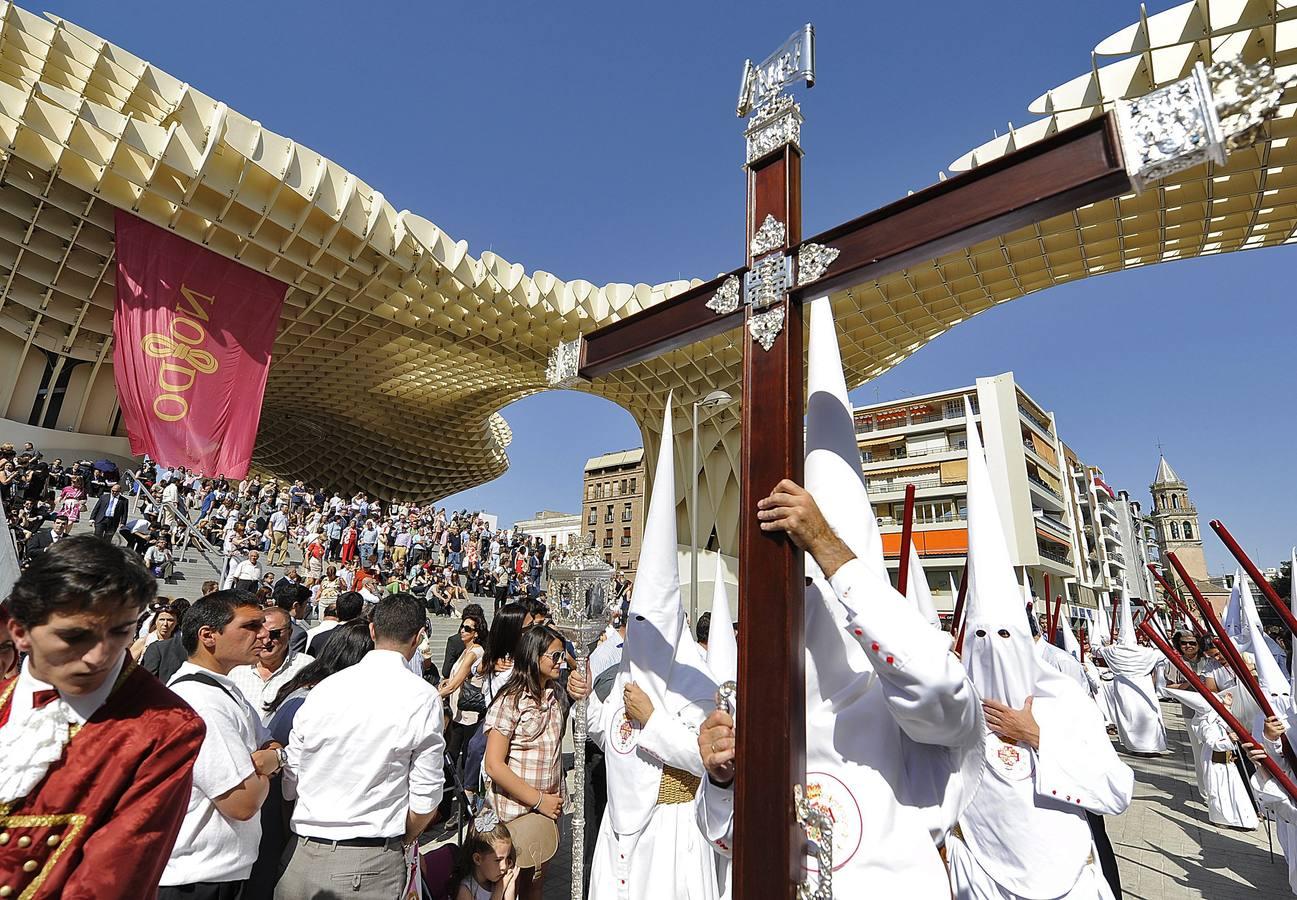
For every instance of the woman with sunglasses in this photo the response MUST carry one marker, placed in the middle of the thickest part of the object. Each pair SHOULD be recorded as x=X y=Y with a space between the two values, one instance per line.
x=464 y=722
x=524 y=741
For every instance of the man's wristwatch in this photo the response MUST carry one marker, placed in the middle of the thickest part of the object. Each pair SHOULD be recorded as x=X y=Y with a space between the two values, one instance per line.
x=283 y=757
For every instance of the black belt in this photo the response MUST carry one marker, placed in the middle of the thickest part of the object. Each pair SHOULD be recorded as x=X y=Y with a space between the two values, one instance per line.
x=351 y=842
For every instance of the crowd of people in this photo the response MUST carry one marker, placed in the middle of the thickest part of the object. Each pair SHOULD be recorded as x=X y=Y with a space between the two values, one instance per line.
x=293 y=737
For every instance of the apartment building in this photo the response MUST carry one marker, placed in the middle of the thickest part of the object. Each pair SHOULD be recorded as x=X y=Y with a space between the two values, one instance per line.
x=1102 y=563
x=613 y=491
x=552 y=527
x=923 y=441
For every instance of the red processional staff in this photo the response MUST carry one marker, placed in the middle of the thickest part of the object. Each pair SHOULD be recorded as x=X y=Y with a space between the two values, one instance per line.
x=907 y=537
x=1177 y=603
x=1233 y=657
x=1267 y=590
x=1272 y=768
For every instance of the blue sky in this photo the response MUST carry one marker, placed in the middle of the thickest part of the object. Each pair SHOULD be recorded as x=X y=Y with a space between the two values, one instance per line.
x=598 y=141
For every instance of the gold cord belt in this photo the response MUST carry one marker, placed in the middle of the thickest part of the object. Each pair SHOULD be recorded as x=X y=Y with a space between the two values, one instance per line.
x=677 y=786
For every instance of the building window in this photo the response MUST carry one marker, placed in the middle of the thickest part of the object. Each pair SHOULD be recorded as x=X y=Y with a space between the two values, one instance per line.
x=1175 y=501
x=625 y=537
x=607 y=539
x=593 y=517
x=608 y=515
x=55 y=389
x=632 y=485
x=623 y=485
x=591 y=536
x=1188 y=532
x=1175 y=531
x=626 y=512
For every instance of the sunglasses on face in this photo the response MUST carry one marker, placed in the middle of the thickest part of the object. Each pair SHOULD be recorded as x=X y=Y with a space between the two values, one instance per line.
x=468 y=628
x=556 y=657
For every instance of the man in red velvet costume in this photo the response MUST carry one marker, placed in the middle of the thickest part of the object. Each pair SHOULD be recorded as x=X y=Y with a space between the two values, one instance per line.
x=96 y=755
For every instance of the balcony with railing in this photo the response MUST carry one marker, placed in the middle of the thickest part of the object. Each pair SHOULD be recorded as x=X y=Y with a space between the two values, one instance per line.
x=887 y=454
x=1054 y=552
x=1039 y=422
x=607 y=543
x=1051 y=523
x=951 y=518
x=1043 y=485
x=869 y=421
x=881 y=488
x=625 y=540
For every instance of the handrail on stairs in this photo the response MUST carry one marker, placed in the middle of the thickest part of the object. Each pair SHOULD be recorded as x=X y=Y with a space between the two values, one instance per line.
x=189 y=536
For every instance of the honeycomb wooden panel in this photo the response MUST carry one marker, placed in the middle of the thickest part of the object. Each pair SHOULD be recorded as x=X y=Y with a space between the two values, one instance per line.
x=396 y=345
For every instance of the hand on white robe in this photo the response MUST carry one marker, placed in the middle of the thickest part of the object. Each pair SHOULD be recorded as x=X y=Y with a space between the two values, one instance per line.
x=926 y=688
x=1075 y=762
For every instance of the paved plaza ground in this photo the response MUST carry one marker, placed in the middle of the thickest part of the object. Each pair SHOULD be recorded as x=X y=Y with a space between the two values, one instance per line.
x=1167 y=850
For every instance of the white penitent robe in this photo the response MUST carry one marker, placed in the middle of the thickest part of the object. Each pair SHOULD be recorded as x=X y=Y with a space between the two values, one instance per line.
x=1025 y=834
x=714 y=810
x=1228 y=800
x=876 y=754
x=667 y=857
x=1134 y=700
x=1277 y=805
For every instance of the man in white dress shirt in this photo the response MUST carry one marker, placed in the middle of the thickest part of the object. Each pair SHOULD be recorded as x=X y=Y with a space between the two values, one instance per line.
x=274 y=667
x=279 y=536
x=218 y=840
x=365 y=764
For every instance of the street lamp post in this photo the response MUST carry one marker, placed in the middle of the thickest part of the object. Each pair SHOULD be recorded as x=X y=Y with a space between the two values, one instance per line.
x=712 y=401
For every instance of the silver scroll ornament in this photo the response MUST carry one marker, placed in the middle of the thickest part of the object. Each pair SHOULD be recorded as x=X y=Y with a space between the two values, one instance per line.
x=765 y=326
x=818 y=826
x=726 y=299
x=772 y=127
x=813 y=260
x=770 y=236
x=1197 y=119
x=564 y=364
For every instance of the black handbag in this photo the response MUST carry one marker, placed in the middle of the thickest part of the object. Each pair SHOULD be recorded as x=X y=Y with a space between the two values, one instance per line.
x=471 y=698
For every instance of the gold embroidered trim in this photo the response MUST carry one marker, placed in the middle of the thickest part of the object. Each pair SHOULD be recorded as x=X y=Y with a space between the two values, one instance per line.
x=73 y=730
x=75 y=821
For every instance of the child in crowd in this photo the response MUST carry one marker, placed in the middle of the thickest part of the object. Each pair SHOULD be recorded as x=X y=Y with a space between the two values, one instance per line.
x=485 y=869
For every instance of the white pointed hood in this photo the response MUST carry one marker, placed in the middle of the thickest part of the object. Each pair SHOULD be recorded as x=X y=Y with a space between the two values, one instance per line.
x=1192 y=699
x=656 y=616
x=917 y=590
x=1125 y=621
x=1233 y=617
x=1126 y=657
x=837 y=669
x=832 y=455
x=998 y=647
x=848 y=729
x=659 y=654
x=1274 y=681
x=1071 y=646
x=722 y=648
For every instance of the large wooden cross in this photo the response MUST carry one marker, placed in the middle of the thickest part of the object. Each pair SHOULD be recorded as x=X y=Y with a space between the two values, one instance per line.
x=1139 y=142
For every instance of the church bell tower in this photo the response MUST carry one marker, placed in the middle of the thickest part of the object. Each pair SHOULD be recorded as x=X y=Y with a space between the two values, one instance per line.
x=1175 y=519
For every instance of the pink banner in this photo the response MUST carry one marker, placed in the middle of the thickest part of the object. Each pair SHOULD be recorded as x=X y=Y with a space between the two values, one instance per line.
x=192 y=338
